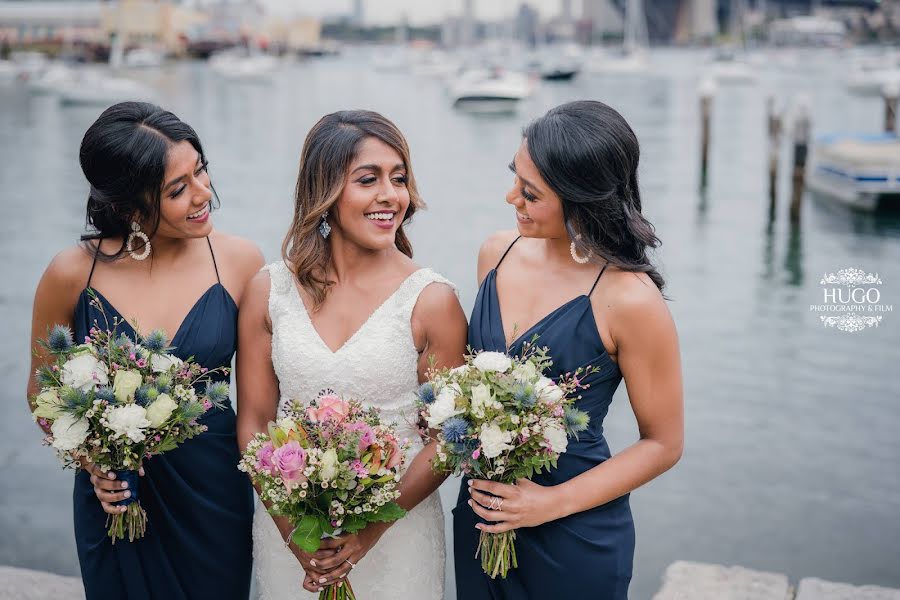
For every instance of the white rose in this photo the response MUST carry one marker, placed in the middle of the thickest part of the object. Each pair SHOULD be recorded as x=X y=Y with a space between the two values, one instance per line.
x=525 y=372
x=129 y=420
x=329 y=464
x=494 y=440
x=160 y=410
x=482 y=399
x=47 y=405
x=69 y=432
x=461 y=370
x=85 y=372
x=492 y=361
x=443 y=407
x=547 y=391
x=161 y=363
x=555 y=438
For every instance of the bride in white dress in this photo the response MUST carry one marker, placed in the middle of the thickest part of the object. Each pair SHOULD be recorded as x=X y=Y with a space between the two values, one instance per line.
x=348 y=309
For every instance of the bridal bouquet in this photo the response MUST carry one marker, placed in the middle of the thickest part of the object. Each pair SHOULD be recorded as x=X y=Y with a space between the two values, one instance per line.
x=499 y=418
x=115 y=402
x=330 y=467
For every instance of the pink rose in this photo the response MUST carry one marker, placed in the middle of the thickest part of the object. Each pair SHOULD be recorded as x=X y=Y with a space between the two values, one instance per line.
x=329 y=408
x=290 y=460
x=396 y=456
x=366 y=434
x=264 y=461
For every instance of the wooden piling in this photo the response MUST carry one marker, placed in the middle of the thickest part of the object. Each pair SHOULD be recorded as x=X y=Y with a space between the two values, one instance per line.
x=707 y=90
x=802 y=131
x=890 y=92
x=775 y=127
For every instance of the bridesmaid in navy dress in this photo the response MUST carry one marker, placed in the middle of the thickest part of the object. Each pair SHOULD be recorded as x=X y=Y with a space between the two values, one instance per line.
x=577 y=275
x=154 y=260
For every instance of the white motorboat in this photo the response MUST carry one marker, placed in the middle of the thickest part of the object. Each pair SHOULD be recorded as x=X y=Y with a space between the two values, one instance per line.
x=241 y=67
x=861 y=171
x=143 y=58
x=52 y=79
x=489 y=90
x=101 y=89
x=633 y=57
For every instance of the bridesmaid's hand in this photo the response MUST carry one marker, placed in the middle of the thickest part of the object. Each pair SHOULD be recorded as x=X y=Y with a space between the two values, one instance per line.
x=106 y=488
x=350 y=549
x=525 y=504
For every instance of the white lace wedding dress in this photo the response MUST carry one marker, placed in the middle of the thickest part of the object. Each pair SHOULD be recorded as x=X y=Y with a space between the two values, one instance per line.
x=377 y=365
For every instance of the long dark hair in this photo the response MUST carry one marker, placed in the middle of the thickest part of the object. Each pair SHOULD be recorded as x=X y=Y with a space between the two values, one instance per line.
x=123 y=156
x=329 y=149
x=588 y=154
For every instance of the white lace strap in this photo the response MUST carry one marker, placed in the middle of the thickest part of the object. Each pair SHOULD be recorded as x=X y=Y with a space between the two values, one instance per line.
x=413 y=287
x=280 y=287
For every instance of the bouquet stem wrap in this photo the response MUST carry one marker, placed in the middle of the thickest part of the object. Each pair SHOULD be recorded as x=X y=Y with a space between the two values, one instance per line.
x=134 y=520
x=498 y=553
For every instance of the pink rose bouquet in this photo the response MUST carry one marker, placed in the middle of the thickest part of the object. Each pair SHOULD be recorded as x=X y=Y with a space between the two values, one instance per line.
x=330 y=467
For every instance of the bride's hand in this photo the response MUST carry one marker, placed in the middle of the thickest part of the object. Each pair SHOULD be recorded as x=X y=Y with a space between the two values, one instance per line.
x=350 y=550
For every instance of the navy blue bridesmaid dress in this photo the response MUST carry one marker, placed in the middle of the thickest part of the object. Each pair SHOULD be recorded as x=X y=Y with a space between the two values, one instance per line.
x=587 y=554
x=199 y=506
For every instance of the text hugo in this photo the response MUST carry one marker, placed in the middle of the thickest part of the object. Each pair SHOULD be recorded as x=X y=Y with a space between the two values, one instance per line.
x=856 y=295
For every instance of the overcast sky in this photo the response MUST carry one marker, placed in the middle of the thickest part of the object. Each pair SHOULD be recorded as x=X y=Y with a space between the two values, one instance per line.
x=418 y=11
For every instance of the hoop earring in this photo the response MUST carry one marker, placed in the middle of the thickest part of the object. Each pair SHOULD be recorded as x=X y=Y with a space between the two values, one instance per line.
x=573 y=250
x=324 y=227
x=129 y=245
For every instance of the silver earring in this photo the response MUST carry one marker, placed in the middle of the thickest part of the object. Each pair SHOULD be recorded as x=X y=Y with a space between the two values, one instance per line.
x=129 y=244
x=573 y=250
x=324 y=227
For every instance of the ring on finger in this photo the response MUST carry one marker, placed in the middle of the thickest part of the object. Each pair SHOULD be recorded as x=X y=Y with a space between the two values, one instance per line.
x=493 y=504
x=500 y=505
x=352 y=565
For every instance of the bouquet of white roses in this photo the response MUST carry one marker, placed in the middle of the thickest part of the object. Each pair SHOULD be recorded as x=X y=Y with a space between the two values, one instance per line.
x=499 y=418
x=115 y=401
x=330 y=467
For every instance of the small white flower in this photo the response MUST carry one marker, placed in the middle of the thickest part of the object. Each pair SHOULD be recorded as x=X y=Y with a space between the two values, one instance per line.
x=492 y=361
x=555 y=438
x=443 y=407
x=161 y=363
x=69 y=432
x=494 y=440
x=84 y=372
x=129 y=420
x=547 y=391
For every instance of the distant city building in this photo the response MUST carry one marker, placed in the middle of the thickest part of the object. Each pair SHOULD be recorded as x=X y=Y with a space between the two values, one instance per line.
x=527 y=22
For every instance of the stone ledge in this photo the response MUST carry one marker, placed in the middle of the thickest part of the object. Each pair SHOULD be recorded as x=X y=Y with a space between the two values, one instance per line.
x=819 y=589
x=25 y=584
x=699 y=581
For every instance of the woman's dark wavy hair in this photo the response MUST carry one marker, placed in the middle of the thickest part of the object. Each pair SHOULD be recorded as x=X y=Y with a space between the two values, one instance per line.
x=123 y=156
x=588 y=154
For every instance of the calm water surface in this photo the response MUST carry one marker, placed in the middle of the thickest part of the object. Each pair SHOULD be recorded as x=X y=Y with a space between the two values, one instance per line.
x=792 y=448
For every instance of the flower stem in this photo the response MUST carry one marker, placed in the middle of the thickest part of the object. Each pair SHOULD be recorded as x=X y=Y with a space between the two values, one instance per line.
x=336 y=591
x=498 y=553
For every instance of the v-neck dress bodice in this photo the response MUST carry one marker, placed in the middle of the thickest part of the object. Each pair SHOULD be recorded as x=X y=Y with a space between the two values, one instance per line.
x=199 y=505
x=587 y=554
x=377 y=365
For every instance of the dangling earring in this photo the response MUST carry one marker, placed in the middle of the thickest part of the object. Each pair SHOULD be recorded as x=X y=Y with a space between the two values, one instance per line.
x=324 y=227
x=129 y=245
x=581 y=260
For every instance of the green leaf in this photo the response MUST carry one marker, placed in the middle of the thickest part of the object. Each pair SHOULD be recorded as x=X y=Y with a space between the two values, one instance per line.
x=388 y=512
x=308 y=534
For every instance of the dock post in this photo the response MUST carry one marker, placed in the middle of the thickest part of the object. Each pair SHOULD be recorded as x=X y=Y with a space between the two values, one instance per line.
x=775 y=127
x=802 y=131
x=707 y=90
x=890 y=92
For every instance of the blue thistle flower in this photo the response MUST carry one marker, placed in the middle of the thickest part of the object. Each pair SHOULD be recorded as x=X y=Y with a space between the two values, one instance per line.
x=74 y=400
x=426 y=392
x=455 y=429
x=123 y=342
x=217 y=392
x=164 y=383
x=576 y=421
x=60 y=338
x=156 y=341
x=145 y=394
x=524 y=395
x=105 y=393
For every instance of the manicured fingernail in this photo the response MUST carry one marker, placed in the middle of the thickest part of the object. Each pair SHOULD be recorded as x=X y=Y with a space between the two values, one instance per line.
x=478 y=526
x=124 y=484
x=340 y=583
x=470 y=483
x=111 y=475
x=470 y=502
x=313 y=562
x=127 y=494
x=322 y=580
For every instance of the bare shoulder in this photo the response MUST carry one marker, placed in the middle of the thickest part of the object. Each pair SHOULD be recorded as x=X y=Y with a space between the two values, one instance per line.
x=238 y=251
x=436 y=300
x=255 y=299
x=492 y=249
x=68 y=271
x=631 y=302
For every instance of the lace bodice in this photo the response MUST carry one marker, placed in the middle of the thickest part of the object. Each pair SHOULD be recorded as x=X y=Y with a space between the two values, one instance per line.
x=378 y=365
